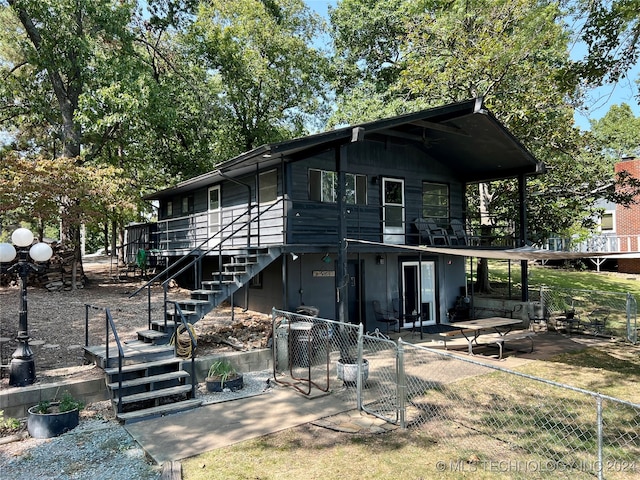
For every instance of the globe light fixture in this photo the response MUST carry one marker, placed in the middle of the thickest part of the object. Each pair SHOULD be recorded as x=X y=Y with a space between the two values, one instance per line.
x=22 y=369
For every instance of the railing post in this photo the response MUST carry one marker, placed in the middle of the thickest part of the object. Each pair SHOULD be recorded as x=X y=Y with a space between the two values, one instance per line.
x=165 y=287
x=86 y=325
x=401 y=390
x=106 y=329
x=149 y=307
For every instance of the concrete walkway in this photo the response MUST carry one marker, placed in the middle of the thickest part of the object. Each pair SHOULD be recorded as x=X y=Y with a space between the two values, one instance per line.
x=217 y=425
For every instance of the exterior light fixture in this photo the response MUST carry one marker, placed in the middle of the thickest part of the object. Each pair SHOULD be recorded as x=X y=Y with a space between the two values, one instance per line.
x=22 y=368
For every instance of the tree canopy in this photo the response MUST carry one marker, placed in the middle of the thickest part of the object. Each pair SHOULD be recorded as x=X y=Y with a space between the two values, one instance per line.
x=140 y=95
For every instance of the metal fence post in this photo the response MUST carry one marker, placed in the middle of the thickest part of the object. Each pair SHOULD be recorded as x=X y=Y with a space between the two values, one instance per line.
x=599 y=420
x=360 y=360
x=401 y=385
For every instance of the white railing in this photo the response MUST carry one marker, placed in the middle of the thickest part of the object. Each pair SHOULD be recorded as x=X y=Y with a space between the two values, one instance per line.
x=595 y=243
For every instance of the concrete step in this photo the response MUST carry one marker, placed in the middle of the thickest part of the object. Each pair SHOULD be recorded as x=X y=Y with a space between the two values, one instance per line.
x=154 y=412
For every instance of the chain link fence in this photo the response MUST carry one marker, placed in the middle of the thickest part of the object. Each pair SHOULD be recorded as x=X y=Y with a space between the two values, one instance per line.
x=589 y=311
x=483 y=412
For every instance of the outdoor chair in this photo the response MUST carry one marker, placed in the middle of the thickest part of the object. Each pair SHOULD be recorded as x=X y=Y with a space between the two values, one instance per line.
x=385 y=316
x=430 y=233
x=597 y=320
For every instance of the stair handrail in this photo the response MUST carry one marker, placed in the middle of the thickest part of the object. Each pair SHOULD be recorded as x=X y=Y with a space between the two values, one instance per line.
x=194 y=343
x=199 y=253
x=109 y=324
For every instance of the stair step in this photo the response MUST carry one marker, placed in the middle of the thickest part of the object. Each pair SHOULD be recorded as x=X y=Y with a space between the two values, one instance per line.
x=152 y=334
x=163 y=377
x=133 y=350
x=153 y=412
x=144 y=366
x=205 y=292
x=246 y=263
x=165 y=392
x=193 y=301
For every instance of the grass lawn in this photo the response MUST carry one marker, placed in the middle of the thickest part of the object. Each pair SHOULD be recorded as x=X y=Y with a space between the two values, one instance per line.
x=416 y=454
x=565 y=278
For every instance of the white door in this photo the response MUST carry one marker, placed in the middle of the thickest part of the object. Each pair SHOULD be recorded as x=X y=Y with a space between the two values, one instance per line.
x=393 y=210
x=418 y=293
x=214 y=215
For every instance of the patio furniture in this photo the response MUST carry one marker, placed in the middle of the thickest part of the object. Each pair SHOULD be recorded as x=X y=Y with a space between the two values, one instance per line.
x=497 y=330
x=459 y=234
x=597 y=320
x=430 y=233
x=385 y=316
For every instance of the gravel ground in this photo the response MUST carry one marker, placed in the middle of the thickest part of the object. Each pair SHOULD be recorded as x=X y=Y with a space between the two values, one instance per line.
x=99 y=448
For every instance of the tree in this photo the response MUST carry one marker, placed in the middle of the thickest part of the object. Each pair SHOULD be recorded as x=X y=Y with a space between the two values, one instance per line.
x=48 y=50
x=257 y=55
x=611 y=32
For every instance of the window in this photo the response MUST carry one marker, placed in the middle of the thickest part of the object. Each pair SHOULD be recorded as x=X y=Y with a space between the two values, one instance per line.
x=606 y=222
x=169 y=209
x=187 y=204
x=268 y=186
x=435 y=201
x=323 y=187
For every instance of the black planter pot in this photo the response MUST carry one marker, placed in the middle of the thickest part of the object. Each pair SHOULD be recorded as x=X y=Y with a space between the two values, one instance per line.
x=216 y=385
x=48 y=425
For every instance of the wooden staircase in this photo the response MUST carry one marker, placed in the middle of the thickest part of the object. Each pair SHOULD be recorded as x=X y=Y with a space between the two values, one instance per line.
x=150 y=382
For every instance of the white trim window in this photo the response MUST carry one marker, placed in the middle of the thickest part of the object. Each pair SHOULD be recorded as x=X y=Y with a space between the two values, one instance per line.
x=323 y=187
x=608 y=221
x=268 y=192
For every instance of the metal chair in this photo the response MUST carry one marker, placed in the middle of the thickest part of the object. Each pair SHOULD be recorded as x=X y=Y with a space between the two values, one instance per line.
x=385 y=316
x=597 y=320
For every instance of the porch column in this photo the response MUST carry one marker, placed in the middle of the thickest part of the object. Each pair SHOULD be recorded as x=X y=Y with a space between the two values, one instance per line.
x=341 y=266
x=524 y=264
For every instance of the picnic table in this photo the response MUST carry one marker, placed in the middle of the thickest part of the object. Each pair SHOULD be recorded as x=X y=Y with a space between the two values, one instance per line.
x=473 y=329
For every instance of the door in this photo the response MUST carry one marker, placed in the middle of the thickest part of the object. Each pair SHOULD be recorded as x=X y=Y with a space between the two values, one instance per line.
x=393 y=210
x=214 y=214
x=418 y=293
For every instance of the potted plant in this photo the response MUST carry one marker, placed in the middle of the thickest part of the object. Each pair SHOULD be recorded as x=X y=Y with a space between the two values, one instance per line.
x=222 y=375
x=347 y=364
x=52 y=418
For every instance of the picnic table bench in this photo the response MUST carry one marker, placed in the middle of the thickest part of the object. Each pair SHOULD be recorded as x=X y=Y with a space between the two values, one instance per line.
x=489 y=328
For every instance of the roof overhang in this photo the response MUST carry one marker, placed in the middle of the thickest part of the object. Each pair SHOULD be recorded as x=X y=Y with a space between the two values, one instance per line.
x=522 y=253
x=464 y=137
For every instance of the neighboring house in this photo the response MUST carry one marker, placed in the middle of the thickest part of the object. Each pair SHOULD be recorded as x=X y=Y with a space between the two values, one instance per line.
x=618 y=230
x=626 y=221
x=271 y=226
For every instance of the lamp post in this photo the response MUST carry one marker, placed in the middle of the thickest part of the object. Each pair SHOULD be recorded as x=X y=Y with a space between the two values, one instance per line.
x=22 y=370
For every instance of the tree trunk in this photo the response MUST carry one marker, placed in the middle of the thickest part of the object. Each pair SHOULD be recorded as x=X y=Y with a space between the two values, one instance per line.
x=482 y=283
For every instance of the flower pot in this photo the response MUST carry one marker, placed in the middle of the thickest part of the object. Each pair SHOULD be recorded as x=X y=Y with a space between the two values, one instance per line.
x=215 y=384
x=48 y=425
x=348 y=372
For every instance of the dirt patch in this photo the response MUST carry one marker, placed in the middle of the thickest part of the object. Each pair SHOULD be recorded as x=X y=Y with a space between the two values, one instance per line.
x=56 y=321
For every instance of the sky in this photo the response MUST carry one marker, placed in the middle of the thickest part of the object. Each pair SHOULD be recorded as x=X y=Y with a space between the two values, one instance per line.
x=598 y=100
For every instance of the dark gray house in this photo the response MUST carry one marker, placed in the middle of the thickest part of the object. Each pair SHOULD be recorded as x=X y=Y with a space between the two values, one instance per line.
x=332 y=220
